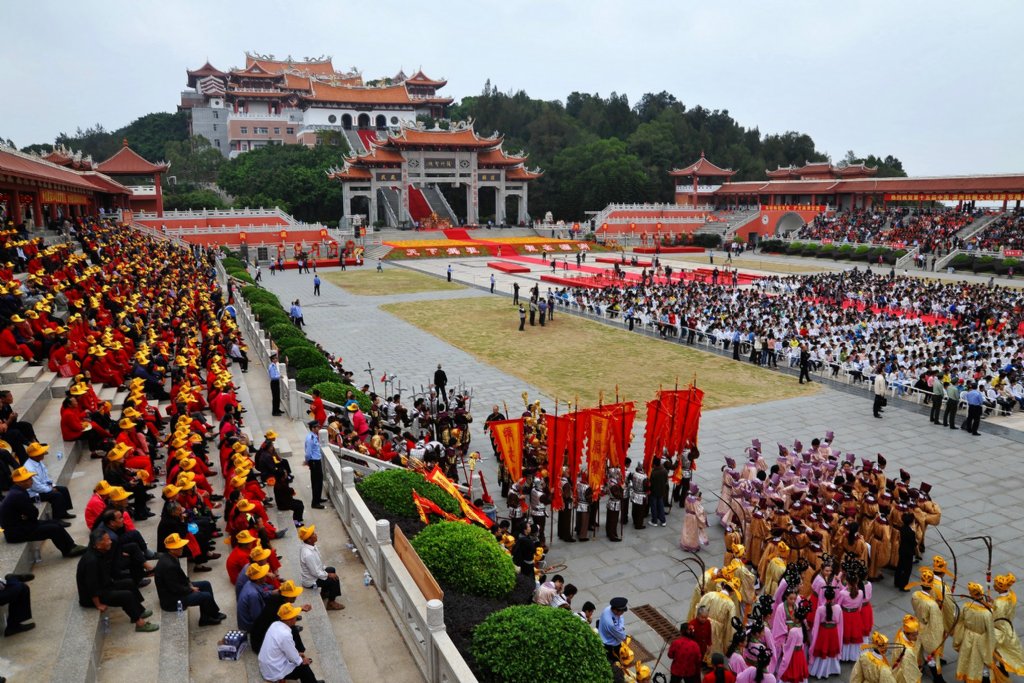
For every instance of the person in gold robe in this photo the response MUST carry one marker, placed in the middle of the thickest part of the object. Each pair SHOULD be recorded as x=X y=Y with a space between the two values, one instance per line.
x=721 y=607
x=872 y=666
x=974 y=637
x=906 y=667
x=943 y=592
x=1009 y=657
x=930 y=622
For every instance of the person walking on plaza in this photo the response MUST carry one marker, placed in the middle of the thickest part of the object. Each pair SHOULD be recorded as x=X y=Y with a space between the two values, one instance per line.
x=492 y=283
x=274 y=373
x=952 y=402
x=313 y=573
x=805 y=364
x=938 y=393
x=542 y=307
x=659 y=493
x=878 y=388
x=449 y=272
x=975 y=400
x=441 y=381
x=173 y=587
x=316 y=285
x=314 y=461
x=515 y=293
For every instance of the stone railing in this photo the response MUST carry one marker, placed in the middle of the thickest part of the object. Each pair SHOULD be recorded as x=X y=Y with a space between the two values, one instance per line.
x=216 y=213
x=420 y=621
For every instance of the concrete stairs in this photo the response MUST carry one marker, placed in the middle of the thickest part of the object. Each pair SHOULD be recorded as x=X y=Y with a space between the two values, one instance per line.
x=977 y=227
x=388 y=197
x=438 y=204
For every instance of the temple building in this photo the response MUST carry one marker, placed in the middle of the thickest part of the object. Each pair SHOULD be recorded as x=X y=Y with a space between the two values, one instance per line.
x=273 y=102
x=414 y=176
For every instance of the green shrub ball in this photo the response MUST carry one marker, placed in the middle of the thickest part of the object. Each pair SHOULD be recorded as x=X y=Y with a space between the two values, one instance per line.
x=392 y=489
x=531 y=643
x=466 y=557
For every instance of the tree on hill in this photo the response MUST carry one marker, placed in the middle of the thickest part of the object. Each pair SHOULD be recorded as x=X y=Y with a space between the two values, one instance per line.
x=889 y=167
x=148 y=135
x=293 y=177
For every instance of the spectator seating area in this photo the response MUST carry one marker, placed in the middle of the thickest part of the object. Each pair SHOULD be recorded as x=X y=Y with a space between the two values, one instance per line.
x=1005 y=232
x=931 y=230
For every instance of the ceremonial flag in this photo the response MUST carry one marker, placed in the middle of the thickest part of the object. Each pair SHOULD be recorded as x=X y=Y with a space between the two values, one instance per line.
x=508 y=436
x=471 y=512
x=576 y=429
x=598 y=448
x=652 y=432
x=558 y=441
x=425 y=506
x=691 y=426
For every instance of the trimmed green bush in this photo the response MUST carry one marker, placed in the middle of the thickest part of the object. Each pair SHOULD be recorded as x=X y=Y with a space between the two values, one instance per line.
x=336 y=391
x=845 y=251
x=269 y=311
x=256 y=295
x=795 y=248
x=392 y=490
x=241 y=274
x=302 y=357
x=467 y=558
x=311 y=376
x=281 y=331
x=561 y=647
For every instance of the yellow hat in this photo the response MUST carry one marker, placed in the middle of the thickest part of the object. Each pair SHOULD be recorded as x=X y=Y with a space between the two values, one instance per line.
x=132 y=413
x=257 y=571
x=188 y=464
x=783 y=548
x=976 y=590
x=879 y=640
x=911 y=624
x=170 y=491
x=239 y=447
x=306 y=531
x=290 y=590
x=17 y=318
x=259 y=553
x=118 y=493
x=1003 y=582
x=126 y=423
x=939 y=564
x=238 y=481
x=927 y=575
x=78 y=389
x=245 y=505
x=116 y=453
x=245 y=537
x=35 y=449
x=102 y=487
x=288 y=611
x=175 y=541
x=270 y=434
x=21 y=474
x=184 y=483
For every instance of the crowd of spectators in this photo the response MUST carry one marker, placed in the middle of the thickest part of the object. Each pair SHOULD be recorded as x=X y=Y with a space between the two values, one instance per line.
x=853 y=321
x=933 y=230
x=126 y=310
x=1005 y=232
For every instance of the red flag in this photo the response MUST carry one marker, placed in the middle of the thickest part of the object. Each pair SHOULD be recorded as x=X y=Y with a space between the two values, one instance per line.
x=470 y=511
x=425 y=507
x=575 y=432
x=384 y=377
x=692 y=422
x=652 y=432
x=598 y=448
x=558 y=440
x=508 y=435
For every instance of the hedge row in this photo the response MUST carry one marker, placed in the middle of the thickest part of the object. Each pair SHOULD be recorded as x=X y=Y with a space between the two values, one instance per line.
x=836 y=252
x=314 y=370
x=984 y=264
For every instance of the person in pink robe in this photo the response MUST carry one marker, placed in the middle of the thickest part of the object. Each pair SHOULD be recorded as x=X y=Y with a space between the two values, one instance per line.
x=760 y=671
x=792 y=666
x=695 y=523
x=826 y=636
x=851 y=600
x=784 y=618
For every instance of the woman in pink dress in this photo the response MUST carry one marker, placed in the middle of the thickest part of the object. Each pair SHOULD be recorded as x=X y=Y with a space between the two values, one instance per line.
x=851 y=600
x=760 y=671
x=734 y=655
x=784 y=618
x=759 y=636
x=695 y=522
x=793 y=665
x=826 y=636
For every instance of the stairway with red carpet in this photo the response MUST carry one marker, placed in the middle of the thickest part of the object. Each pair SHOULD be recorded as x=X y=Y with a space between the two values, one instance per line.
x=368 y=136
x=419 y=209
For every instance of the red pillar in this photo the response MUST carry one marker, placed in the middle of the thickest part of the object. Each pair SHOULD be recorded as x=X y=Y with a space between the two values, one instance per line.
x=37 y=210
x=15 y=207
x=159 y=196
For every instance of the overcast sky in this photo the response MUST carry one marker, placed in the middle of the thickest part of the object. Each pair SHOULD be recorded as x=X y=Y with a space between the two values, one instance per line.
x=935 y=83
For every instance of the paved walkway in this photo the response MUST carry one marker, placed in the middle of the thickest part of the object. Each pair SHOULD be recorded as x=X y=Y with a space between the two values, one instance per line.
x=976 y=479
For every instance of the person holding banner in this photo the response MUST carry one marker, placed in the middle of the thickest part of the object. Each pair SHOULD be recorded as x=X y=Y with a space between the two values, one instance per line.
x=641 y=487
x=583 y=507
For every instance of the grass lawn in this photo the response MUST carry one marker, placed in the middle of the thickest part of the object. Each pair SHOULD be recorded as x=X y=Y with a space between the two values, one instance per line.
x=573 y=356
x=369 y=282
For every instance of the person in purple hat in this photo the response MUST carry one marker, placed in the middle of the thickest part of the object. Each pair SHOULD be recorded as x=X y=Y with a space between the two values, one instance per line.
x=695 y=522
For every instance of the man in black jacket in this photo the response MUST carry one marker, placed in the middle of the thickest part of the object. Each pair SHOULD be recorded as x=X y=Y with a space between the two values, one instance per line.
x=441 y=382
x=19 y=518
x=98 y=589
x=173 y=585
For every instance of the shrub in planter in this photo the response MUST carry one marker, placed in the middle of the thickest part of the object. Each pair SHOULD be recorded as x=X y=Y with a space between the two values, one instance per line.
x=811 y=250
x=232 y=262
x=706 y=241
x=826 y=251
x=242 y=275
x=844 y=252
x=1003 y=267
x=960 y=262
x=312 y=376
x=562 y=647
x=255 y=295
x=392 y=489
x=303 y=357
x=281 y=331
x=795 y=248
x=267 y=311
x=984 y=264
x=336 y=391
x=773 y=246
x=860 y=253
x=467 y=558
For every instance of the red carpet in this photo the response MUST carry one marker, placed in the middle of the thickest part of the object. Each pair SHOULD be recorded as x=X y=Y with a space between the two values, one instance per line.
x=458 y=234
x=616 y=259
x=669 y=250
x=508 y=267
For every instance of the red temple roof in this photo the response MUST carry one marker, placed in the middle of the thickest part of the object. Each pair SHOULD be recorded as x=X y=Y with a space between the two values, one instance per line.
x=205 y=70
x=702 y=168
x=128 y=162
x=105 y=184
x=784 y=172
x=520 y=173
x=816 y=168
x=420 y=78
x=860 y=170
x=380 y=155
x=497 y=157
x=352 y=173
x=26 y=166
x=392 y=94
x=321 y=67
x=467 y=137
x=58 y=157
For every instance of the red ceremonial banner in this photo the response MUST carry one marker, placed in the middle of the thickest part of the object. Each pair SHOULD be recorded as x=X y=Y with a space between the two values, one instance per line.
x=559 y=435
x=576 y=430
x=425 y=507
x=598 y=449
x=652 y=432
x=471 y=512
x=508 y=435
